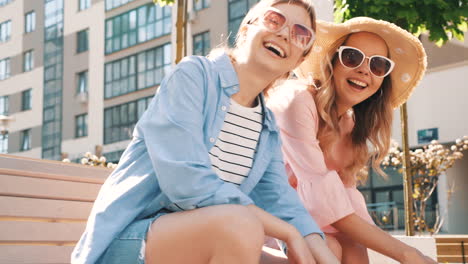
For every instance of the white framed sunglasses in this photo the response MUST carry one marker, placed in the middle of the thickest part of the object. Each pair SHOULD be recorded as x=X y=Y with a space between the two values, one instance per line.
x=300 y=35
x=352 y=58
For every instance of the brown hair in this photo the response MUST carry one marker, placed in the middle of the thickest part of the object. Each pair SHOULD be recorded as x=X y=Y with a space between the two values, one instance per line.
x=373 y=117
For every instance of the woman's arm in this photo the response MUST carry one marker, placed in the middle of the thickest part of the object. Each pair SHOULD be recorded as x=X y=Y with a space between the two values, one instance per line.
x=375 y=238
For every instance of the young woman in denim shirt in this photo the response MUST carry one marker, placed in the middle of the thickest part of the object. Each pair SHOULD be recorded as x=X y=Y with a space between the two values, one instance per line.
x=177 y=196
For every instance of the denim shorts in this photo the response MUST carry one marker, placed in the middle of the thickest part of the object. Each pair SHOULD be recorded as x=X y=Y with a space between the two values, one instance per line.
x=129 y=247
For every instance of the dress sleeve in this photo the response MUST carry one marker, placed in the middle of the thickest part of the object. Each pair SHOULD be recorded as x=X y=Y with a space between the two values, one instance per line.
x=320 y=189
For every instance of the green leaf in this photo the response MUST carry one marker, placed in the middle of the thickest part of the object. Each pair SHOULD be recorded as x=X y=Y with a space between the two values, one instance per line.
x=163 y=2
x=442 y=18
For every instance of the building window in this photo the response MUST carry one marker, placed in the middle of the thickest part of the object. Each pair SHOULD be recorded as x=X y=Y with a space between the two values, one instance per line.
x=237 y=9
x=30 y=22
x=201 y=4
x=84 y=4
x=82 y=41
x=111 y=4
x=137 y=26
x=25 y=140
x=4 y=69
x=3 y=143
x=149 y=66
x=5 y=31
x=120 y=120
x=201 y=44
x=81 y=126
x=26 y=100
x=28 y=61
x=5 y=2
x=82 y=86
x=4 y=105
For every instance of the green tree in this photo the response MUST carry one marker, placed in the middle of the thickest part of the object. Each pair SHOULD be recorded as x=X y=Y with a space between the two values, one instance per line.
x=443 y=19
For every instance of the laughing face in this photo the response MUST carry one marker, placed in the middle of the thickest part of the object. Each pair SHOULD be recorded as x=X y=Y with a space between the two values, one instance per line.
x=273 y=51
x=356 y=85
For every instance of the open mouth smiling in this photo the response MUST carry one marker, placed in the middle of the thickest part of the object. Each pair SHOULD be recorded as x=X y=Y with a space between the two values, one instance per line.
x=357 y=84
x=275 y=49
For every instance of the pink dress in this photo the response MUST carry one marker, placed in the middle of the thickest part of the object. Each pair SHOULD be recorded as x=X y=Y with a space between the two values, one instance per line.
x=318 y=182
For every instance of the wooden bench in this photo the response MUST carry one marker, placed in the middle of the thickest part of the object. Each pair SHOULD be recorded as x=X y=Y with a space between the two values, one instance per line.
x=43 y=208
x=452 y=248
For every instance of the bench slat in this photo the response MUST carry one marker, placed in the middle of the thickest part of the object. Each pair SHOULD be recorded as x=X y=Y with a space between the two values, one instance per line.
x=13 y=232
x=451 y=249
x=450 y=259
x=35 y=254
x=43 y=208
x=18 y=186
x=441 y=239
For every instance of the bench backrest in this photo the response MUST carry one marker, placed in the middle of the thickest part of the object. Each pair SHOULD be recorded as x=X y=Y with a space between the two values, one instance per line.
x=452 y=248
x=43 y=208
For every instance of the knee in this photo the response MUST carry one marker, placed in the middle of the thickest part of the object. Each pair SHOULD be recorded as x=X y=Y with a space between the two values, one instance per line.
x=236 y=225
x=335 y=247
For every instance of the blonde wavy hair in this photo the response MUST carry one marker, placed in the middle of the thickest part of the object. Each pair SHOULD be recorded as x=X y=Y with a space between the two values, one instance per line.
x=373 y=117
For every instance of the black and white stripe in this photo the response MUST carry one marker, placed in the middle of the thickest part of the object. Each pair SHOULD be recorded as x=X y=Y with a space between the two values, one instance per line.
x=234 y=150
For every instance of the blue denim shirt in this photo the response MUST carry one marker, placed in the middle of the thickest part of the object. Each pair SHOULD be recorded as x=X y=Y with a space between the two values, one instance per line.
x=167 y=161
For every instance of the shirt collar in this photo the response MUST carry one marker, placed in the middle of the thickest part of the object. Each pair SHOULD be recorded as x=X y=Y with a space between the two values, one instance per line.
x=230 y=84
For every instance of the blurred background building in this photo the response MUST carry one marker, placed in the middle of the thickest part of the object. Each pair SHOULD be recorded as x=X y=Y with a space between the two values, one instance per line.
x=76 y=75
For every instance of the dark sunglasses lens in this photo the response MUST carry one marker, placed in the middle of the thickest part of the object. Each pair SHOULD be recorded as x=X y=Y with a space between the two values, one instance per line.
x=273 y=21
x=379 y=66
x=351 y=58
x=301 y=35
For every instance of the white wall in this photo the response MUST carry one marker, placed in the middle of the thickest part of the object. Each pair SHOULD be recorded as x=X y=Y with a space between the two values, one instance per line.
x=440 y=100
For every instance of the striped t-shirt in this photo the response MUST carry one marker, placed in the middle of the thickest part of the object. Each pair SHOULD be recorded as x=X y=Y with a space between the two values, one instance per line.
x=233 y=153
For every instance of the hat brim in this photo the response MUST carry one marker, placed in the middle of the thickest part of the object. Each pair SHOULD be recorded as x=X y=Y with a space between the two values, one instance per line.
x=404 y=48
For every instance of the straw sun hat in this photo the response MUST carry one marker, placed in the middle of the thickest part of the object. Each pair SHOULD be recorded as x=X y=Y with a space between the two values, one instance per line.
x=405 y=50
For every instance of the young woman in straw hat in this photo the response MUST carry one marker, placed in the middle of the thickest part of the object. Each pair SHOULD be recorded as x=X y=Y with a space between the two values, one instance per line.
x=203 y=179
x=358 y=72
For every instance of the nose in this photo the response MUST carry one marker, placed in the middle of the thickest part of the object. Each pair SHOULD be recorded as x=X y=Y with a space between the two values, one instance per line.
x=364 y=68
x=284 y=33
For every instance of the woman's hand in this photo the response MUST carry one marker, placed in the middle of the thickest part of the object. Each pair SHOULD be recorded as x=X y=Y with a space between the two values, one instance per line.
x=298 y=250
x=320 y=251
x=414 y=256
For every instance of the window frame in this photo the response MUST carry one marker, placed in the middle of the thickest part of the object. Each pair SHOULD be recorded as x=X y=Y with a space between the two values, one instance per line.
x=30 y=22
x=82 y=41
x=26 y=140
x=81 y=125
x=83 y=75
x=28 y=60
x=26 y=100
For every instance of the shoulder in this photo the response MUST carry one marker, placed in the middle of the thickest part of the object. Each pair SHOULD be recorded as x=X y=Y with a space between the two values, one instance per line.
x=291 y=95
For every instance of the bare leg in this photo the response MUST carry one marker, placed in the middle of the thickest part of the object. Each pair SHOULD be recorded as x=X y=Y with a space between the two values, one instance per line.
x=215 y=234
x=353 y=253
x=334 y=245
